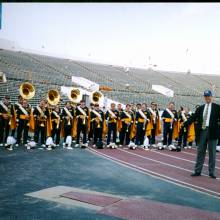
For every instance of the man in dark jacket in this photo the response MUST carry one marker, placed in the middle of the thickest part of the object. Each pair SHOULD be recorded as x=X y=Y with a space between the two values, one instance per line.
x=208 y=125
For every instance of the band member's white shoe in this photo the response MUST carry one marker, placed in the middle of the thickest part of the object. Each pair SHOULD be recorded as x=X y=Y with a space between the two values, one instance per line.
x=16 y=145
x=1 y=145
x=28 y=147
x=64 y=145
x=160 y=146
x=77 y=145
x=93 y=145
x=120 y=145
x=189 y=147
x=10 y=148
x=146 y=148
x=171 y=147
x=69 y=148
x=49 y=148
x=43 y=145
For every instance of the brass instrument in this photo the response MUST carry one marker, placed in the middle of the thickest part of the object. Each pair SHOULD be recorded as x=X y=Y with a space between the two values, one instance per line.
x=27 y=90
x=75 y=95
x=53 y=97
x=96 y=97
x=42 y=118
x=68 y=119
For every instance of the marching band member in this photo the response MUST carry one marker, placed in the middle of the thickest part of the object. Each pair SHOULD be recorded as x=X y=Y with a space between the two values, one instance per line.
x=67 y=117
x=169 y=117
x=97 y=120
x=142 y=119
x=112 y=117
x=90 y=135
x=40 y=115
x=5 y=117
x=56 y=125
x=119 y=122
x=82 y=116
x=24 y=120
x=183 y=133
x=156 y=123
x=127 y=118
x=15 y=109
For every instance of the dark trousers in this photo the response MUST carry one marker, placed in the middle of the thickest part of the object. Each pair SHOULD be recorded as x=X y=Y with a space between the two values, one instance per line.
x=97 y=134
x=40 y=131
x=125 y=134
x=56 y=133
x=167 y=132
x=112 y=127
x=67 y=131
x=140 y=134
x=91 y=131
x=81 y=128
x=22 y=128
x=4 y=130
x=201 y=152
x=153 y=134
x=183 y=136
x=13 y=132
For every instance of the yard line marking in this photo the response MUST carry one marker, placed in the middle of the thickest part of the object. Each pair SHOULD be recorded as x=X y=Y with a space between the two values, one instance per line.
x=157 y=161
x=157 y=175
x=195 y=155
x=191 y=161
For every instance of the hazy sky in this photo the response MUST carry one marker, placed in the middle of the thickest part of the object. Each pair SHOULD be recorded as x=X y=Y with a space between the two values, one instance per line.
x=125 y=34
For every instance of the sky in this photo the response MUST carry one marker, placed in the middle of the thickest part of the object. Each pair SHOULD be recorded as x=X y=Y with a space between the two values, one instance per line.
x=172 y=36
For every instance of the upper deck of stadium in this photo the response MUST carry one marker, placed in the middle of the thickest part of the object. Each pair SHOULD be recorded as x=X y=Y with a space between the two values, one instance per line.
x=134 y=85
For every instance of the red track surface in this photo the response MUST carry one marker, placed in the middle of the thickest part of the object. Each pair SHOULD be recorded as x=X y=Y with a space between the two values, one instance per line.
x=139 y=209
x=163 y=164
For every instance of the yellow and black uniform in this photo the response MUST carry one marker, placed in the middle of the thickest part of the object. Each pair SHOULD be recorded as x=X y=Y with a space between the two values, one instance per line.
x=155 y=119
x=169 y=118
x=82 y=115
x=23 y=117
x=14 y=111
x=40 y=115
x=5 y=117
x=56 y=126
x=127 y=119
x=112 y=117
x=184 y=128
x=142 y=118
x=67 y=117
x=97 y=120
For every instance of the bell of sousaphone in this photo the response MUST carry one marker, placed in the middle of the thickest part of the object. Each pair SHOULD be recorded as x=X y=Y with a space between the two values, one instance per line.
x=75 y=95
x=96 y=97
x=27 y=90
x=53 y=97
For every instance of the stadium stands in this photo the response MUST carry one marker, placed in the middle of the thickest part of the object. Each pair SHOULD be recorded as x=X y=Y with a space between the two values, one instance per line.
x=134 y=85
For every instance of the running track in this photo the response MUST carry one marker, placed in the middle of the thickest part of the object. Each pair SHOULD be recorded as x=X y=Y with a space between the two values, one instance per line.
x=174 y=167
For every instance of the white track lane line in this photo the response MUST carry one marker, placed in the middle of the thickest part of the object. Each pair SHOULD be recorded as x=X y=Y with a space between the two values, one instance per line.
x=195 y=155
x=168 y=155
x=157 y=161
x=158 y=175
